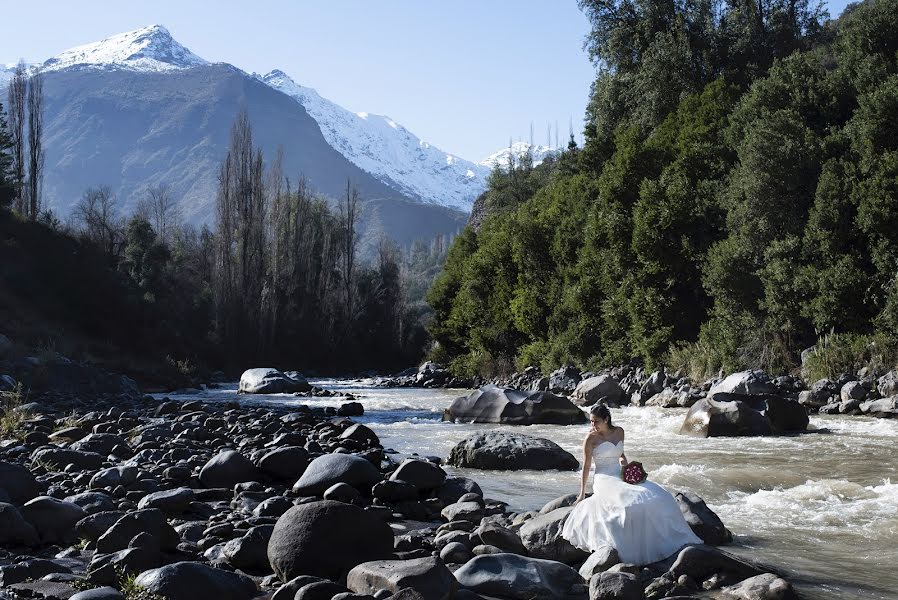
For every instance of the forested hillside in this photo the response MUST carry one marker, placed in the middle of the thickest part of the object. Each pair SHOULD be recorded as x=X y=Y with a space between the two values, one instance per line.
x=735 y=201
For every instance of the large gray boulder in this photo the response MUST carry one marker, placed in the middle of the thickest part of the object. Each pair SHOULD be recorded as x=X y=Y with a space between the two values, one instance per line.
x=271 y=381
x=541 y=536
x=601 y=387
x=330 y=469
x=884 y=407
x=150 y=521
x=429 y=577
x=327 y=539
x=196 y=581
x=14 y=529
x=492 y=404
x=517 y=577
x=53 y=519
x=18 y=483
x=744 y=382
x=703 y=521
x=615 y=586
x=499 y=450
x=766 y=586
x=226 y=469
x=59 y=458
x=287 y=463
x=742 y=415
x=423 y=474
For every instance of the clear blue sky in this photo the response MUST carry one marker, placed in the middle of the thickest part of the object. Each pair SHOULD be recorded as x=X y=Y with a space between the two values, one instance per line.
x=466 y=75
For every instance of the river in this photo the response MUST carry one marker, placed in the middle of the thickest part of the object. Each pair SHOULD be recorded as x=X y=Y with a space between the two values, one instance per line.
x=820 y=507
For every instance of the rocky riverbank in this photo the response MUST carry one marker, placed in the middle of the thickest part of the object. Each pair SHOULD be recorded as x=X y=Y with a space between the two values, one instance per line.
x=861 y=393
x=121 y=494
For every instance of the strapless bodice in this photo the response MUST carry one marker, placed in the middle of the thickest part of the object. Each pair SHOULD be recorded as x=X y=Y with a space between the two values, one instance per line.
x=606 y=458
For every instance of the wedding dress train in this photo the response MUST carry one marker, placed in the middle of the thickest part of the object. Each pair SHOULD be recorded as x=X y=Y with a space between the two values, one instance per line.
x=642 y=522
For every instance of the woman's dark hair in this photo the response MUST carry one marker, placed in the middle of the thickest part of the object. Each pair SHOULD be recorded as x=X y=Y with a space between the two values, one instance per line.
x=600 y=411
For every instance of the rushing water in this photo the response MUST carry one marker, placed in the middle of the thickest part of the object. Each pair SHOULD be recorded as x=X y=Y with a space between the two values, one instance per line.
x=819 y=507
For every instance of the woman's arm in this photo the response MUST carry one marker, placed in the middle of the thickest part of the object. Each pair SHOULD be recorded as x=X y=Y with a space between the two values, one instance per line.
x=587 y=461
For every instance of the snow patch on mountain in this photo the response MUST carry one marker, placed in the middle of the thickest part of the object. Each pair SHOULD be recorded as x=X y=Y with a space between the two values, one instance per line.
x=518 y=150
x=387 y=150
x=148 y=49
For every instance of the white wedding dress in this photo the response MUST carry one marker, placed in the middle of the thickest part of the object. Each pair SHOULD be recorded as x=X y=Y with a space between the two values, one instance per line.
x=642 y=522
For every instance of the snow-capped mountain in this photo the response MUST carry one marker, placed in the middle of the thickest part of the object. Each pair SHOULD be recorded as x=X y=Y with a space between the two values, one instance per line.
x=375 y=144
x=518 y=149
x=390 y=152
x=148 y=49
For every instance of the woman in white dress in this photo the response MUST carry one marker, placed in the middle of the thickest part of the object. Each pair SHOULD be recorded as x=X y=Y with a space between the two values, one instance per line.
x=642 y=522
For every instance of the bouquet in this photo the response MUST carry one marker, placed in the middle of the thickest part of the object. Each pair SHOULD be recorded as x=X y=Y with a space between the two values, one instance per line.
x=633 y=473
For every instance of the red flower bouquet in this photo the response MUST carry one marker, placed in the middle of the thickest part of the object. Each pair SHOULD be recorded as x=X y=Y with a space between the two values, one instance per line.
x=633 y=473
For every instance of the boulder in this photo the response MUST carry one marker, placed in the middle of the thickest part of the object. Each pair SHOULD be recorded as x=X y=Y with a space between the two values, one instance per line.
x=517 y=577
x=18 y=483
x=271 y=381
x=541 y=535
x=744 y=382
x=286 y=464
x=884 y=407
x=93 y=526
x=853 y=390
x=766 y=586
x=700 y=562
x=362 y=434
x=113 y=477
x=564 y=380
x=423 y=474
x=887 y=385
x=14 y=529
x=703 y=521
x=456 y=487
x=492 y=534
x=499 y=450
x=327 y=539
x=250 y=552
x=30 y=568
x=615 y=586
x=100 y=593
x=58 y=458
x=53 y=519
x=173 y=502
x=599 y=561
x=227 y=469
x=92 y=502
x=740 y=415
x=196 y=581
x=326 y=470
x=107 y=568
x=151 y=521
x=601 y=387
x=492 y=404
x=427 y=576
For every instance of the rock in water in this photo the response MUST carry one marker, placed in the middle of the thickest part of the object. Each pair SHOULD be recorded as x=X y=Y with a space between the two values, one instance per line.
x=492 y=404
x=326 y=470
x=327 y=539
x=500 y=450
x=742 y=415
x=271 y=381
x=196 y=581
x=517 y=577
x=601 y=387
x=766 y=586
x=704 y=522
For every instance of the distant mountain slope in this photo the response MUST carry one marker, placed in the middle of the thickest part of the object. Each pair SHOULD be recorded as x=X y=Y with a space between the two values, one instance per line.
x=132 y=129
x=388 y=151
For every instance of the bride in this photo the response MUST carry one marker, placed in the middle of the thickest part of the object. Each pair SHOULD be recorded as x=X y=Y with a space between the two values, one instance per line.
x=642 y=522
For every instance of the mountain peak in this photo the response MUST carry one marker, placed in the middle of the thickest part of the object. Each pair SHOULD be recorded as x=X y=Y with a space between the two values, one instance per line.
x=147 y=49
